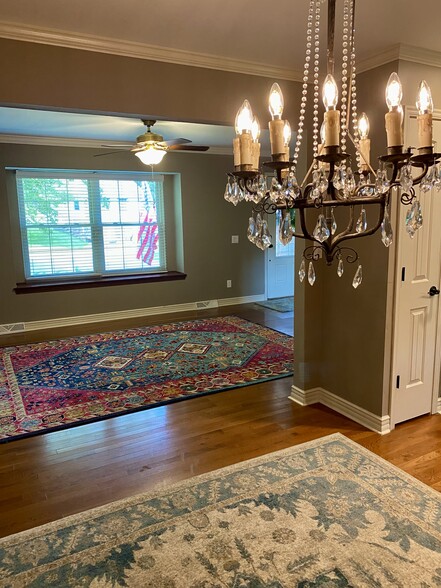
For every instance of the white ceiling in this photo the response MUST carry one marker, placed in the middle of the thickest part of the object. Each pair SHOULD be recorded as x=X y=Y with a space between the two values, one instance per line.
x=252 y=30
x=247 y=30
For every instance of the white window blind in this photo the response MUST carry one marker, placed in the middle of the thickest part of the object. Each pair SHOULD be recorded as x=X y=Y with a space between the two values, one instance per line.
x=90 y=223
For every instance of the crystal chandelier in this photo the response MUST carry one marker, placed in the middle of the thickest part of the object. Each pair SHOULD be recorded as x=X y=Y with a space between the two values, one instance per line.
x=334 y=183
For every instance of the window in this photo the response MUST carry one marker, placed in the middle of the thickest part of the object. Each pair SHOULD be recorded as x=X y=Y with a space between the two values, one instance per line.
x=83 y=224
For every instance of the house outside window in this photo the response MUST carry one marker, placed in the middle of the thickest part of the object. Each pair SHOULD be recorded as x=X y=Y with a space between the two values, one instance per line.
x=90 y=224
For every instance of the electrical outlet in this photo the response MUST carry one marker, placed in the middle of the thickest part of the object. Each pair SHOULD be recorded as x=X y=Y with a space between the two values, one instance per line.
x=228 y=283
x=235 y=238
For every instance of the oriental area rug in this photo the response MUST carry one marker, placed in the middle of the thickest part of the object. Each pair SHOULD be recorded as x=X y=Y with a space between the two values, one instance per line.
x=285 y=304
x=51 y=385
x=325 y=513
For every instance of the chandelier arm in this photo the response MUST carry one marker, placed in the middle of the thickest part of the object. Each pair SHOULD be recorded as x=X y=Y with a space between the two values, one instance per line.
x=301 y=203
x=418 y=179
x=347 y=231
x=366 y=233
x=306 y=233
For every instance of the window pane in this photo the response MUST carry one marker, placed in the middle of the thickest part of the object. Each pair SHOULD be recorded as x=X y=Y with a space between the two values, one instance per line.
x=131 y=247
x=83 y=223
x=58 y=251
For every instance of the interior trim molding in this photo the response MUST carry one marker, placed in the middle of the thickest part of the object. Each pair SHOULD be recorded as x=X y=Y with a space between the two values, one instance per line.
x=378 y=58
x=90 y=143
x=438 y=405
x=361 y=416
x=7 y=329
x=400 y=52
x=48 y=36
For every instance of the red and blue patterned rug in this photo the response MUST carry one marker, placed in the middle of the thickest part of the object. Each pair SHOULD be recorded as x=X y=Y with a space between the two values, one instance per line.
x=57 y=384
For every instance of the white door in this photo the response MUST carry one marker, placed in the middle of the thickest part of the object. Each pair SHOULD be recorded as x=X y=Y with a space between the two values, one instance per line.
x=416 y=311
x=280 y=263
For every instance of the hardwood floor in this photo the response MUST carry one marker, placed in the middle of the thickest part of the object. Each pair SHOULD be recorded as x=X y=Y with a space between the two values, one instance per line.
x=49 y=476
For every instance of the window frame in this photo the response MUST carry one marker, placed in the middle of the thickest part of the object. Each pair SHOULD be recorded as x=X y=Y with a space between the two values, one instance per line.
x=99 y=274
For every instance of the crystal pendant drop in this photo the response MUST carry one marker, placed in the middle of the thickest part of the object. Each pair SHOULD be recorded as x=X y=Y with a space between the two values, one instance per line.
x=386 y=230
x=321 y=231
x=302 y=271
x=358 y=278
x=382 y=183
x=339 y=178
x=252 y=229
x=258 y=238
x=228 y=191
x=361 y=225
x=428 y=182
x=350 y=183
x=323 y=182
x=276 y=194
x=266 y=236
x=333 y=223
x=311 y=274
x=236 y=195
x=414 y=218
x=406 y=180
x=340 y=268
x=261 y=188
x=285 y=231
x=437 y=178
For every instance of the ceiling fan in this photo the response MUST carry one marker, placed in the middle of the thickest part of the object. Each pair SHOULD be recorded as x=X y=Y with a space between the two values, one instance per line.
x=150 y=147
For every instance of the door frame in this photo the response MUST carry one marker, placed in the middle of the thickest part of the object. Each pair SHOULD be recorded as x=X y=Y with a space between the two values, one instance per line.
x=411 y=112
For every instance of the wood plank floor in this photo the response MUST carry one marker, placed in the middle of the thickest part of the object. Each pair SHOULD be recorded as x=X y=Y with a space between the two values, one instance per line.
x=50 y=476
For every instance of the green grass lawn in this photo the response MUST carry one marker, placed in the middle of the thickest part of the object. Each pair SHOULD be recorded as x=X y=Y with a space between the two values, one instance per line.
x=40 y=237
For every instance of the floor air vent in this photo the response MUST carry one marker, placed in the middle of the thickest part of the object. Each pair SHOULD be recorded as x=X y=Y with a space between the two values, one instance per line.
x=14 y=328
x=207 y=304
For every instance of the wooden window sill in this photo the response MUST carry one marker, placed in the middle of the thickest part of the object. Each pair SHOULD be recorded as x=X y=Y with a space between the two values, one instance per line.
x=51 y=286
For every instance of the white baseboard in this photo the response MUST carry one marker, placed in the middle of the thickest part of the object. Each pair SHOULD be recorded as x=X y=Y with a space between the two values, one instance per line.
x=359 y=415
x=438 y=406
x=7 y=329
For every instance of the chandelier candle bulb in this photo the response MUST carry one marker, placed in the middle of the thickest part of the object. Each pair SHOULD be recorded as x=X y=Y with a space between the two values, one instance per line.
x=393 y=118
x=286 y=138
x=255 y=146
x=276 y=125
x=332 y=116
x=365 y=143
x=424 y=104
x=236 y=151
x=243 y=126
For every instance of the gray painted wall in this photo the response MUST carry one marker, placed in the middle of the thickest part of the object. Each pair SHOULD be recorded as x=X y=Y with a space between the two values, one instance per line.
x=208 y=222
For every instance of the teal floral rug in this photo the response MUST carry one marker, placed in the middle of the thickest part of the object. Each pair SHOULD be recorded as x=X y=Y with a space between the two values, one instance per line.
x=285 y=304
x=325 y=513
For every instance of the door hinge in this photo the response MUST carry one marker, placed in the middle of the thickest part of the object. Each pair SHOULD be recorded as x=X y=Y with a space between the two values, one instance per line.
x=403 y=274
x=398 y=381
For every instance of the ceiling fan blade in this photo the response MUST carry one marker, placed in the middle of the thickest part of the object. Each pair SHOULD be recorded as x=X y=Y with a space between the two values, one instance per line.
x=111 y=152
x=189 y=148
x=117 y=145
x=179 y=141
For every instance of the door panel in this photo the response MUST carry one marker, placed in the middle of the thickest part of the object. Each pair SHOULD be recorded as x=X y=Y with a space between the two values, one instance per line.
x=416 y=312
x=280 y=263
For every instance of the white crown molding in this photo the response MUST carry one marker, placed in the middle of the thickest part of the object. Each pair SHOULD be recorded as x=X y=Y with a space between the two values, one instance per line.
x=400 y=52
x=59 y=141
x=46 y=36
x=420 y=55
x=91 y=143
x=379 y=58
x=368 y=419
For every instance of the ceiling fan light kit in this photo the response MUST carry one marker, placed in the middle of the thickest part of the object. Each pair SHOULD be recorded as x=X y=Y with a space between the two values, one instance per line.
x=334 y=183
x=150 y=147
